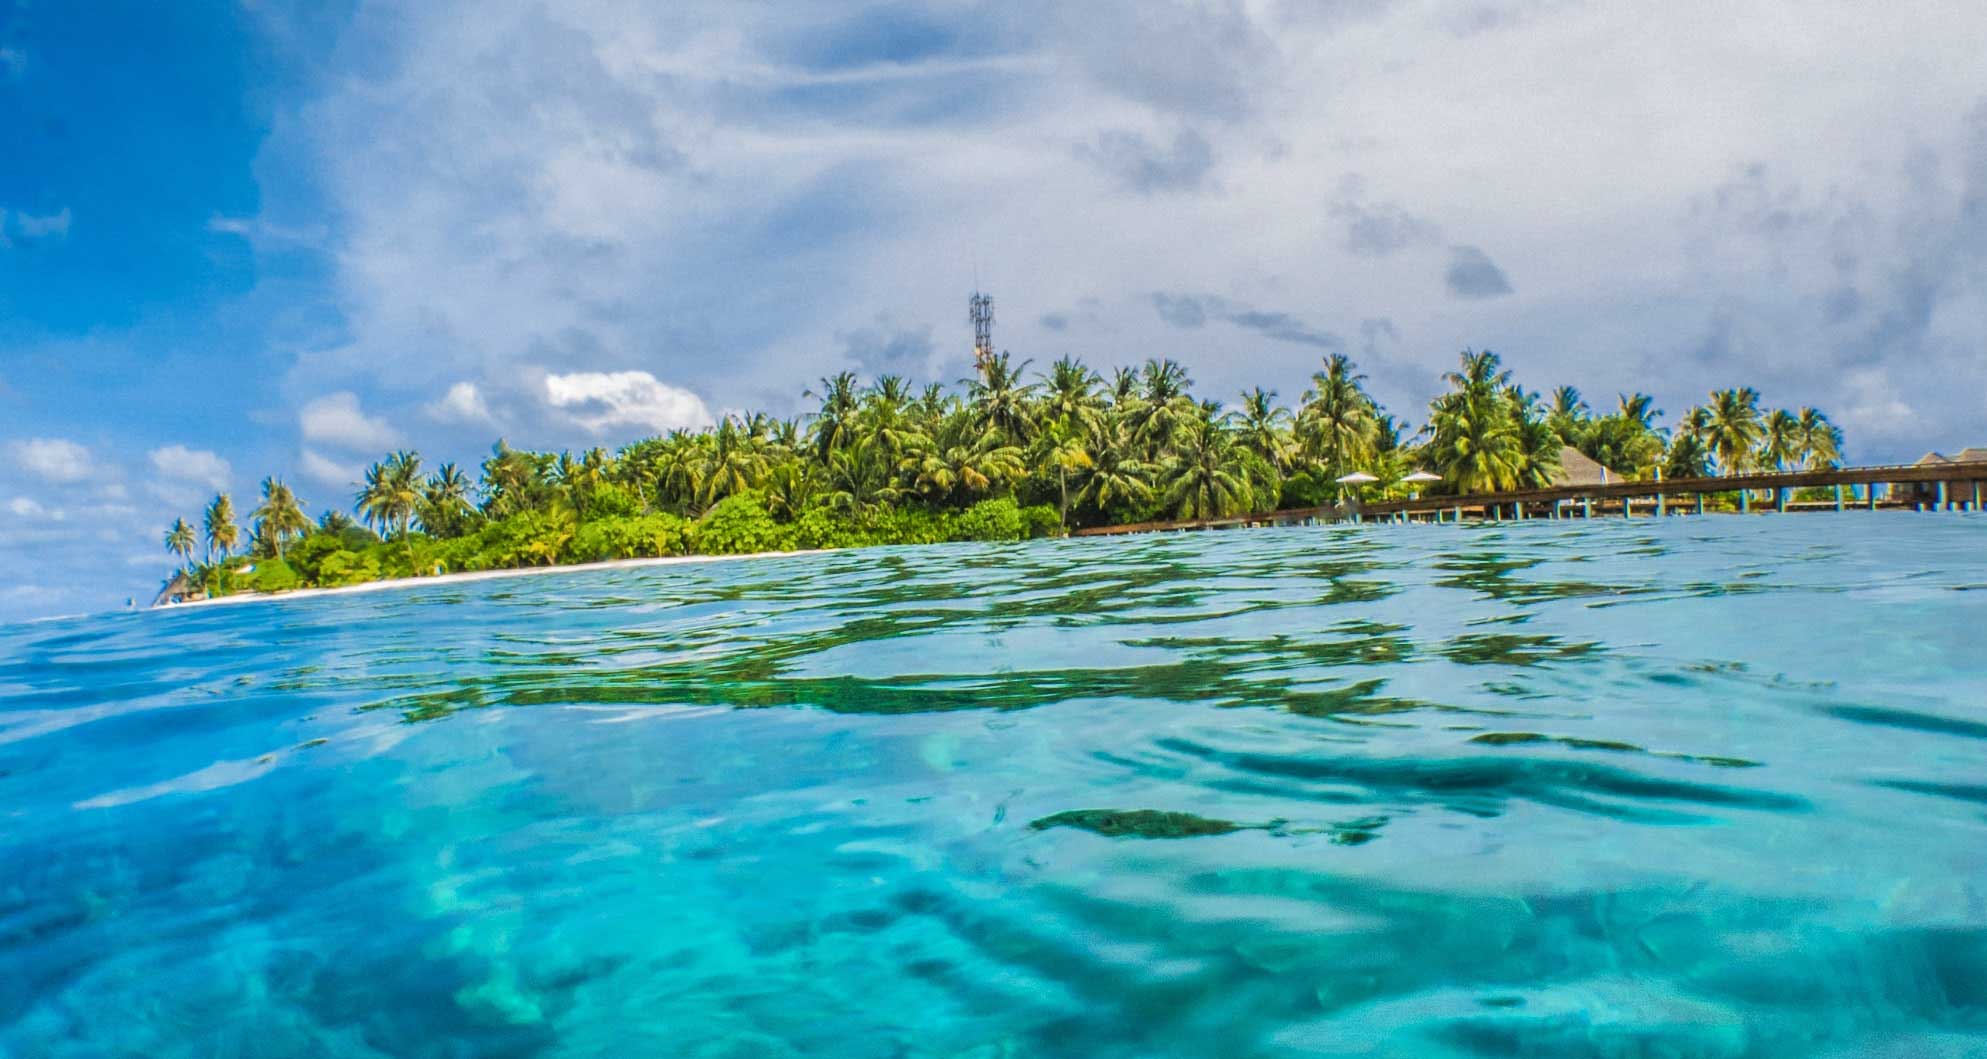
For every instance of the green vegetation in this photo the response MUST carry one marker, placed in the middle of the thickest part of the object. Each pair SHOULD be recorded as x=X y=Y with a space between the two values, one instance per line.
x=1008 y=459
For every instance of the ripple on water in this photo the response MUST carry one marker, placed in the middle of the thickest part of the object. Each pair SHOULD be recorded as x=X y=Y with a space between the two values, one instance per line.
x=1699 y=787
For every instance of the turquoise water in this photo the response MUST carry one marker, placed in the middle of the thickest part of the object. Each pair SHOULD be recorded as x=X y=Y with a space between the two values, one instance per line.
x=1711 y=787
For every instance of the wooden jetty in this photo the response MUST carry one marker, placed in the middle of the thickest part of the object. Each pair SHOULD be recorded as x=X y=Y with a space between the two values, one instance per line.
x=1953 y=486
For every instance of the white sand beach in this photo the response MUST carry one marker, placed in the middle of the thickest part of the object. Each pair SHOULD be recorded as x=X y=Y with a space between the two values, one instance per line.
x=479 y=575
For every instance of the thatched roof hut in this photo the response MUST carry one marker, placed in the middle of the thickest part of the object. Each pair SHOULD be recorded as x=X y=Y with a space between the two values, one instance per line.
x=180 y=588
x=1577 y=468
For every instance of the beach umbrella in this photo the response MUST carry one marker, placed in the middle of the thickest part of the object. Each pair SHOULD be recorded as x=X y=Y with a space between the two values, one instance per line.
x=1357 y=478
x=1419 y=477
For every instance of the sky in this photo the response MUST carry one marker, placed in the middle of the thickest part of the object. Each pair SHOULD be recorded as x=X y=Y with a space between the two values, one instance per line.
x=250 y=237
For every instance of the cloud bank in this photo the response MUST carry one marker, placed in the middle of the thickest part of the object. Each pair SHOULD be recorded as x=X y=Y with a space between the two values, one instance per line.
x=727 y=197
x=625 y=401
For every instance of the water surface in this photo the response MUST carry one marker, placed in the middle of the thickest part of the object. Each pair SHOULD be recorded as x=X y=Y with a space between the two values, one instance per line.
x=1705 y=787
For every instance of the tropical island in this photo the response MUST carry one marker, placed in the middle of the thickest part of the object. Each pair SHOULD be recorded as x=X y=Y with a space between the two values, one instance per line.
x=1010 y=457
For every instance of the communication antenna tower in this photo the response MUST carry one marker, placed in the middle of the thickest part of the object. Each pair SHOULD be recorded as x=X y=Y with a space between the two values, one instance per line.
x=980 y=308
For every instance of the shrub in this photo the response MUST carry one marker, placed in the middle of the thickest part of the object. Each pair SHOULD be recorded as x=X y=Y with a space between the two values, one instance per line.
x=989 y=520
x=529 y=538
x=737 y=525
x=1308 y=489
x=907 y=526
x=612 y=501
x=1040 y=520
x=347 y=568
x=305 y=556
x=272 y=575
x=629 y=538
x=821 y=528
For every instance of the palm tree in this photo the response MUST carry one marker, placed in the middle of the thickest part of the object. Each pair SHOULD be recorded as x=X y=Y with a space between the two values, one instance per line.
x=859 y=481
x=679 y=470
x=1161 y=380
x=280 y=516
x=445 y=508
x=1781 y=443
x=1208 y=476
x=731 y=464
x=839 y=401
x=1069 y=395
x=1733 y=429
x=1568 y=415
x=961 y=458
x=180 y=540
x=513 y=480
x=1697 y=424
x=571 y=481
x=1687 y=457
x=1264 y=427
x=392 y=493
x=1639 y=409
x=222 y=533
x=1482 y=374
x=1538 y=444
x=1001 y=401
x=1156 y=410
x=1477 y=442
x=1336 y=423
x=1123 y=386
x=1116 y=475
x=1820 y=440
x=884 y=419
x=1626 y=441
x=791 y=487
x=1062 y=448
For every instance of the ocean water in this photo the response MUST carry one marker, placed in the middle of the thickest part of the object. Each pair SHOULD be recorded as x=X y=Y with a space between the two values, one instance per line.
x=1704 y=787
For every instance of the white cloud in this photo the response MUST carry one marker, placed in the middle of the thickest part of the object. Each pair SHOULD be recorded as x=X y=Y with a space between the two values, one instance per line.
x=337 y=420
x=463 y=403
x=26 y=507
x=599 y=401
x=329 y=471
x=47 y=226
x=758 y=182
x=191 y=465
x=53 y=459
x=260 y=229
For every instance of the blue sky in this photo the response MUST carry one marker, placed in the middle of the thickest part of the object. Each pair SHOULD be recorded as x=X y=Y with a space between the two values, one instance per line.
x=247 y=238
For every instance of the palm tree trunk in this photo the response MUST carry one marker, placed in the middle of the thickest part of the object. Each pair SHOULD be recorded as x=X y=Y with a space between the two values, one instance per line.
x=1062 y=476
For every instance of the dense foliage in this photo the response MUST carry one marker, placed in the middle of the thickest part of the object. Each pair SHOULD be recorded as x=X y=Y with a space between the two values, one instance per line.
x=1007 y=459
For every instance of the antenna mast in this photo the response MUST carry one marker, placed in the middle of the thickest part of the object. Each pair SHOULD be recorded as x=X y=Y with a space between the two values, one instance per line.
x=980 y=309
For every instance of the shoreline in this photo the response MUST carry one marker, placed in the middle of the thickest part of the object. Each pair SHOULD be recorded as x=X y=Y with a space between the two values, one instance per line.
x=467 y=576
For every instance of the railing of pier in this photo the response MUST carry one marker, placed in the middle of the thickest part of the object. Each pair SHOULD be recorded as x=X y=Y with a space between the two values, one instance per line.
x=1945 y=475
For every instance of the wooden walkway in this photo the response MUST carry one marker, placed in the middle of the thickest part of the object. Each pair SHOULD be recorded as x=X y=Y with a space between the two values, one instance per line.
x=1948 y=486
